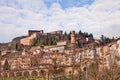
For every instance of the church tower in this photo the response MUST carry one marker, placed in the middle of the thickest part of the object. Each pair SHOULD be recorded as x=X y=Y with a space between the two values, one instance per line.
x=73 y=39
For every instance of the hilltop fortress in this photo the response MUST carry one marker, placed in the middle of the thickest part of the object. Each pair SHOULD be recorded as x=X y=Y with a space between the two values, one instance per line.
x=37 y=34
x=75 y=39
x=56 y=53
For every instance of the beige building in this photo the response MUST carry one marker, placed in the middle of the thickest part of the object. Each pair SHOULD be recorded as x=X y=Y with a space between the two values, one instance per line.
x=57 y=48
x=28 y=40
x=20 y=62
x=5 y=52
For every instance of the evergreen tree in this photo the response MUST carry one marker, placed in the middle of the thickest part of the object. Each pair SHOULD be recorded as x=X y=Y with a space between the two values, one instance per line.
x=19 y=47
x=34 y=42
x=16 y=46
x=80 y=33
x=50 y=41
x=68 y=36
x=45 y=42
x=105 y=39
x=113 y=38
x=59 y=37
x=6 y=65
x=86 y=34
x=65 y=35
x=102 y=39
x=91 y=35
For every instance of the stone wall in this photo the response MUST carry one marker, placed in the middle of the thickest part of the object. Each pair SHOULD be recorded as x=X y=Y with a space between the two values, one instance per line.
x=28 y=40
x=30 y=32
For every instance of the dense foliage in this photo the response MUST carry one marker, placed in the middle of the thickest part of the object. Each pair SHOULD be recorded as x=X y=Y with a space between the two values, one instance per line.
x=105 y=40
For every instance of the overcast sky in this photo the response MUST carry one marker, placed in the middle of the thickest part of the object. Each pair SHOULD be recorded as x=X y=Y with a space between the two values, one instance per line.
x=93 y=16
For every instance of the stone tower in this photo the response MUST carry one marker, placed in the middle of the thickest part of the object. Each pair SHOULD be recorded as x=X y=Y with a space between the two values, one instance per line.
x=23 y=53
x=73 y=39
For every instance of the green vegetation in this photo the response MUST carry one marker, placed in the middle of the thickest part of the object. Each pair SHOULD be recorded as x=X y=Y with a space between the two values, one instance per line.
x=44 y=41
x=52 y=40
x=105 y=40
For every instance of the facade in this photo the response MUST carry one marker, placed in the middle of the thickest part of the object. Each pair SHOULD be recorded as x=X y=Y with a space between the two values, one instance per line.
x=57 y=48
x=62 y=43
x=5 y=52
x=19 y=62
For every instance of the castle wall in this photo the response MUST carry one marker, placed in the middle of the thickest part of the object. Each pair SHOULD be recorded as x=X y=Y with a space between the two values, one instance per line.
x=30 y=32
x=28 y=40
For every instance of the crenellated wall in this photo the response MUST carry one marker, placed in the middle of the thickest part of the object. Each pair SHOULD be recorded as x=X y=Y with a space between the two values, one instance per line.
x=30 y=32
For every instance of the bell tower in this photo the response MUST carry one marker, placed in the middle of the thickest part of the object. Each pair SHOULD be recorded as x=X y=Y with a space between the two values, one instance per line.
x=73 y=39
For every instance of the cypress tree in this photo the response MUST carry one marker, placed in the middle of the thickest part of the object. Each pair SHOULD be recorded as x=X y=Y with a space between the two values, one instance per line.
x=6 y=65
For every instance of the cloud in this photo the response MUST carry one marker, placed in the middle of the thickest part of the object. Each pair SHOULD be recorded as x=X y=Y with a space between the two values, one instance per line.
x=35 y=6
x=9 y=31
x=98 y=17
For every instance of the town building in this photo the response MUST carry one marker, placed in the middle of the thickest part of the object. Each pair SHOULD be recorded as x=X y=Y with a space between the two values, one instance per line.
x=80 y=52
